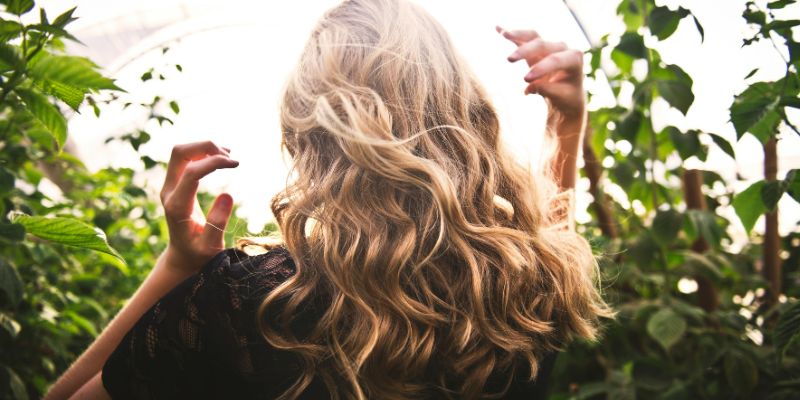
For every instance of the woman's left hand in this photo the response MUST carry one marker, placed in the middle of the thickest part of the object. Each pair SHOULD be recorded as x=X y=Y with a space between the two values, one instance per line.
x=556 y=72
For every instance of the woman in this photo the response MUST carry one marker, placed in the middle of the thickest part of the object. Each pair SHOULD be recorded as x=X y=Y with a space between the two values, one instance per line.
x=418 y=259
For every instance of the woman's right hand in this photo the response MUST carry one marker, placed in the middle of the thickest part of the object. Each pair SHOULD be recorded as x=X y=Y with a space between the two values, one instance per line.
x=194 y=238
x=556 y=72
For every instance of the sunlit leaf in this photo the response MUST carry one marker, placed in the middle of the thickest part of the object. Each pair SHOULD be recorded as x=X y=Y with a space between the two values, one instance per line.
x=66 y=231
x=754 y=111
x=46 y=113
x=663 y=22
x=8 y=324
x=9 y=30
x=77 y=72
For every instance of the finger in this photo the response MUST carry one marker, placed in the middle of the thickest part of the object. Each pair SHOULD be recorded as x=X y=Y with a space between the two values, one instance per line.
x=179 y=203
x=183 y=154
x=570 y=61
x=518 y=37
x=217 y=220
x=535 y=50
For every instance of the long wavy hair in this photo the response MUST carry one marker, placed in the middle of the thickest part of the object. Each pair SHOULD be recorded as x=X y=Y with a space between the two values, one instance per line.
x=425 y=250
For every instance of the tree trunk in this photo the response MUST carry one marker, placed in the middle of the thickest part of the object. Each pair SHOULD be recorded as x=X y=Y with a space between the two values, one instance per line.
x=772 y=242
x=695 y=200
x=593 y=169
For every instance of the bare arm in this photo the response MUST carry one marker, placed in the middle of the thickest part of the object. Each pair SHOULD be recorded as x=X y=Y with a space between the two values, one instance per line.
x=193 y=241
x=564 y=163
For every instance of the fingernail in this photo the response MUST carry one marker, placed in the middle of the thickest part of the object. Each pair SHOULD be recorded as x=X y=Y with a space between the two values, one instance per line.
x=514 y=57
x=532 y=76
x=225 y=200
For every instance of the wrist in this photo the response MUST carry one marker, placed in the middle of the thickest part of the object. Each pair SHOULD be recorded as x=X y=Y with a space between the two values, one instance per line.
x=174 y=260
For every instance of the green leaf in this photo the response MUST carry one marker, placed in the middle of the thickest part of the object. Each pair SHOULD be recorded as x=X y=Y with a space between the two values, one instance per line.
x=65 y=19
x=749 y=205
x=77 y=72
x=629 y=126
x=779 y=4
x=11 y=56
x=688 y=144
x=754 y=111
x=71 y=96
x=174 y=106
x=66 y=231
x=740 y=372
x=677 y=93
x=666 y=327
x=9 y=30
x=46 y=113
x=663 y=22
x=11 y=288
x=723 y=144
x=632 y=43
x=666 y=226
x=18 y=7
x=700 y=29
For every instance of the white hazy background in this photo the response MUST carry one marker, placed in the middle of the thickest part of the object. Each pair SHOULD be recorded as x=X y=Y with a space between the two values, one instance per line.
x=237 y=54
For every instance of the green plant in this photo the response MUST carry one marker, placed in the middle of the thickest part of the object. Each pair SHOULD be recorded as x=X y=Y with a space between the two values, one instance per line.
x=731 y=337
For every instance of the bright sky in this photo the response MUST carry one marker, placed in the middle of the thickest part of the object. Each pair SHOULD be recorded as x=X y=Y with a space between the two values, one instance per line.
x=236 y=57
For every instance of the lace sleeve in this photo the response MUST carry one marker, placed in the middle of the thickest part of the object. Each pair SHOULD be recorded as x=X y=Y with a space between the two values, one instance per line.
x=194 y=343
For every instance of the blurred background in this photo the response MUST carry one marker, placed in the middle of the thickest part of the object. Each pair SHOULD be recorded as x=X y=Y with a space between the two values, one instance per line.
x=689 y=190
x=235 y=59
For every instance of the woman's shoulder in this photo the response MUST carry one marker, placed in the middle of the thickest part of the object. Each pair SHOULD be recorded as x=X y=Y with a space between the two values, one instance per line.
x=249 y=276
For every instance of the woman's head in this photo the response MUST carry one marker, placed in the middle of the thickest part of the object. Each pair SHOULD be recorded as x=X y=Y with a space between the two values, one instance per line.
x=429 y=244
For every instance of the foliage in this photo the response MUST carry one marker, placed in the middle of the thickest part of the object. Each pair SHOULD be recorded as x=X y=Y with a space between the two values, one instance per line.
x=724 y=339
x=74 y=244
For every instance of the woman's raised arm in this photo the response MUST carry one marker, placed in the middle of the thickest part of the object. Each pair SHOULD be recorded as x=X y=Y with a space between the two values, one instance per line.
x=556 y=73
x=193 y=241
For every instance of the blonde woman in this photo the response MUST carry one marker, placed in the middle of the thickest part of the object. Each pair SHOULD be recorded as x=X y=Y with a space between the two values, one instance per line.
x=418 y=259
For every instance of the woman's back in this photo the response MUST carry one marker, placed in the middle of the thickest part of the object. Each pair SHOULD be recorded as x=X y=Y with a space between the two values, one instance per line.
x=202 y=341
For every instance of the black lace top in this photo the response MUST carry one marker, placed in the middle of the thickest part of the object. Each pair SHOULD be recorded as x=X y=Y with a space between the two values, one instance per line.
x=201 y=340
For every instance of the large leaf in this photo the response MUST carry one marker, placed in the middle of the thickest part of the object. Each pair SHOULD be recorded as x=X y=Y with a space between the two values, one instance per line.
x=77 y=72
x=46 y=113
x=666 y=327
x=771 y=193
x=66 y=231
x=749 y=205
x=11 y=289
x=755 y=111
x=703 y=224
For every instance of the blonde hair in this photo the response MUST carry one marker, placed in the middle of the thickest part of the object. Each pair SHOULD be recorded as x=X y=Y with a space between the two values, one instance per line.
x=424 y=249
